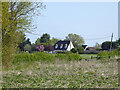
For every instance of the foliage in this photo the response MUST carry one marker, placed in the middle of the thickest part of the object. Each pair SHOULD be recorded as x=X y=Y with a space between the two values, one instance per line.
x=106 y=54
x=53 y=41
x=37 y=56
x=42 y=56
x=74 y=50
x=80 y=49
x=77 y=40
x=68 y=57
x=33 y=47
x=98 y=46
x=27 y=47
x=37 y=42
x=106 y=45
x=16 y=19
x=118 y=41
x=45 y=38
x=40 y=48
x=22 y=45
x=49 y=48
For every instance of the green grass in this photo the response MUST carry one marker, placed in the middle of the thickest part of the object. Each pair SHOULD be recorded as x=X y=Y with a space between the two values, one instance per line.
x=87 y=56
x=62 y=74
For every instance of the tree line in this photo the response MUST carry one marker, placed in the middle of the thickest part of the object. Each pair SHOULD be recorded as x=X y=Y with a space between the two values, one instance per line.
x=44 y=43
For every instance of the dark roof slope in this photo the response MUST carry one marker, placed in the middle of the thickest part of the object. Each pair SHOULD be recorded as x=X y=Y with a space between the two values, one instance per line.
x=84 y=46
x=59 y=44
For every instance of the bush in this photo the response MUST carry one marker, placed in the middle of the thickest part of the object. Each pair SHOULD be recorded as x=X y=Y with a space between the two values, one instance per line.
x=109 y=54
x=74 y=50
x=69 y=57
x=61 y=56
x=45 y=57
x=80 y=50
x=74 y=56
x=33 y=57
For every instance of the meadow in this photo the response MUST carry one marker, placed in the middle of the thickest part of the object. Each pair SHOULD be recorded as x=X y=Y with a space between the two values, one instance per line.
x=62 y=73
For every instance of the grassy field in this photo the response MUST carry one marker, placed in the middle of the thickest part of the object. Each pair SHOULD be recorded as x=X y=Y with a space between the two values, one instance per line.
x=88 y=56
x=62 y=74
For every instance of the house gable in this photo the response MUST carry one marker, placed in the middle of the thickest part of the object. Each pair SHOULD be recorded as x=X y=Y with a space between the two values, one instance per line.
x=70 y=46
x=63 y=46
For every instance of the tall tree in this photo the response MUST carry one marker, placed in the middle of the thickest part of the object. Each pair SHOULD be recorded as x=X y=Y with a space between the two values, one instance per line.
x=45 y=38
x=77 y=40
x=21 y=45
x=53 y=41
x=97 y=46
x=106 y=45
x=16 y=18
x=37 y=42
x=28 y=47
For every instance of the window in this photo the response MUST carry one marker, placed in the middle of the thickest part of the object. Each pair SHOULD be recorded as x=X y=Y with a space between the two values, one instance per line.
x=65 y=46
x=61 y=46
x=56 y=46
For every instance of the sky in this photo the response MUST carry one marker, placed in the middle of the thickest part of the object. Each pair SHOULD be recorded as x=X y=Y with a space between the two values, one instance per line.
x=94 y=21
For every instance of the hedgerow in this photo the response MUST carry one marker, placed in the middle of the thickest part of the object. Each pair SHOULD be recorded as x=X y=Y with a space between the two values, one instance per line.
x=41 y=56
x=45 y=57
x=108 y=54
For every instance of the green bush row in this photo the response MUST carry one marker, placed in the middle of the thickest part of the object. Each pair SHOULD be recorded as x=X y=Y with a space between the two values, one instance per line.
x=41 y=56
x=69 y=57
x=108 y=54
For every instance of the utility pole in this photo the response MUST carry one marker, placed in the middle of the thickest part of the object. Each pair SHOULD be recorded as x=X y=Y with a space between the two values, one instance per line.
x=111 y=41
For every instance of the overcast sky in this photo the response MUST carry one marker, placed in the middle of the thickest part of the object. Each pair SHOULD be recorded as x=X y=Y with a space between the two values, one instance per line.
x=94 y=21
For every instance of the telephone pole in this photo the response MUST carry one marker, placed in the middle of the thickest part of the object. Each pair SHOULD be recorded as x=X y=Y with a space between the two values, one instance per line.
x=111 y=42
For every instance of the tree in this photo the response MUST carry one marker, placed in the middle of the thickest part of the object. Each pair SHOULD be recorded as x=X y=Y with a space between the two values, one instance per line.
x=49 y=48
x=33 y=47
x=74 y=50
x=27 y=47
x=80 y=49
x=106 y=45
x=53 y=41
x=16 y=18
x=40 y=48
x=118 y=41
x=77 y=40
x=45 y=38
x=97 y=46
x=21 y=45
x=37 y=42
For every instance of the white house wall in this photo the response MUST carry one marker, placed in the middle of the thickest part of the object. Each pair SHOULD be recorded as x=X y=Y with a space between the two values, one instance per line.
x=70 y=46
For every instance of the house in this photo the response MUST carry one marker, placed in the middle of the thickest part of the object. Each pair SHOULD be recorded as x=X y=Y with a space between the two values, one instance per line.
x=85 y=47
x=63 y=46
x=91 y=49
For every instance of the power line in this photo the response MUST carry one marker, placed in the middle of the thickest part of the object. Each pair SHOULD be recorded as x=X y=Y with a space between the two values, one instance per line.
x=97 y=38
x=35 y=34
x=84 y=39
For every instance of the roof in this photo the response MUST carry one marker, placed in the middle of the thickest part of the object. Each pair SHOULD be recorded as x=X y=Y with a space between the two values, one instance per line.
x=84 y=46
x=59 y=43
x=91 y=48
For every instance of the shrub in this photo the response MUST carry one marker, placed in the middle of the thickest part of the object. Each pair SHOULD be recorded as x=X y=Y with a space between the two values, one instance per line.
x=74 y=56
x=69 y=57
x=109 y=54
x=61 y=56
x=74 y=50
x=33 y=57
x=45 y=57
x=80 y=49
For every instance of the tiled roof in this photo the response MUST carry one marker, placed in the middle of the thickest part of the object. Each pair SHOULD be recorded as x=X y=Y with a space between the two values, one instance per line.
x=59 y=43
